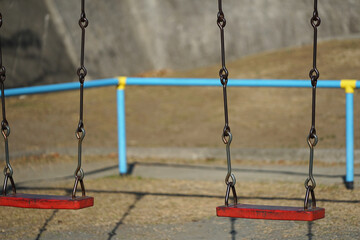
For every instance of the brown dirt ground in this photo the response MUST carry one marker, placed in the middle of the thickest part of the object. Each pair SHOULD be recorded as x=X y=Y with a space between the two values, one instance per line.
x=193 y=116
x=148 y=201
x=170 y=116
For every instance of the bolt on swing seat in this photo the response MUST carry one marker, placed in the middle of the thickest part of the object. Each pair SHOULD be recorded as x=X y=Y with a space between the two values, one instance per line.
x=270 y=212
x=266 y=212
x=24 y=200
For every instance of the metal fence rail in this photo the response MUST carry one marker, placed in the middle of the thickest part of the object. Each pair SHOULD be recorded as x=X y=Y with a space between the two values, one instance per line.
x=121 y=82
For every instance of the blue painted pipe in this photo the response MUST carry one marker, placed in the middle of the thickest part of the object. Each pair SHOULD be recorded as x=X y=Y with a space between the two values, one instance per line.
x=232 y=82
x=349 y=180
x=170 y=82
x=288 y=83
x=121 y=130
x=60 y=87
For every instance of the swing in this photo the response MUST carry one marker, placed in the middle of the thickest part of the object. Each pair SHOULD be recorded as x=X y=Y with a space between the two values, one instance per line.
x=307 y=213
x=47 y=201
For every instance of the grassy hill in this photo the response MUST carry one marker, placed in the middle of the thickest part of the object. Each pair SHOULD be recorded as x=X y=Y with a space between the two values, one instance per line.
x=193 y=116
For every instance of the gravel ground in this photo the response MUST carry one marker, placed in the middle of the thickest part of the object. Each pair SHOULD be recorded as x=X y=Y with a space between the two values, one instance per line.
x=177 y=201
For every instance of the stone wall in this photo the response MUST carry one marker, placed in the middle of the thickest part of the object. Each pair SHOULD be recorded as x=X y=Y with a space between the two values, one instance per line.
x=126 y=37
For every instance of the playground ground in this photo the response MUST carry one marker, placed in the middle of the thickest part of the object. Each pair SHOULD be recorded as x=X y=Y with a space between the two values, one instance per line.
x=177 y=199
x=167 y=198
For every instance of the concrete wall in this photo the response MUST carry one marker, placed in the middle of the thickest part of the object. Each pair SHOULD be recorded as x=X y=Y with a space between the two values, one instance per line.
x=131 y=36
x=33 y=52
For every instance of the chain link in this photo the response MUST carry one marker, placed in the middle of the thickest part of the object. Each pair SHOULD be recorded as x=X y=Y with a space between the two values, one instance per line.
x=226 y=135
x=80 y=130
x=312 y=138
x=5 y=127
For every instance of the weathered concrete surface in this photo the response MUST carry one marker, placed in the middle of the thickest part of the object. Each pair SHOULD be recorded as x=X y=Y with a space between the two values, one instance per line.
x=269 y=155
x=264 y=155
x=131 y=36
x=33 y=52
x=52 y=172
x=214 y=228
x=211 y=228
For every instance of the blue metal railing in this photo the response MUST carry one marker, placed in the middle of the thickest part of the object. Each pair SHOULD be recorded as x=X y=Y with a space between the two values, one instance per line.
x=120 y=82
x=60 y=87
x=286 y=83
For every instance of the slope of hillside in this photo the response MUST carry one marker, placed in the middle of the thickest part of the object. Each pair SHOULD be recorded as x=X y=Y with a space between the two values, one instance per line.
x=193 y=116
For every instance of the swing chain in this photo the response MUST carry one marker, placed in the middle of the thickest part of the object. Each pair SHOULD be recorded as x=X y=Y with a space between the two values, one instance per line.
x=226 y=135
x=229 y=184
x=80 y=130
x=312 y=138
x=5 y=127
x=223 y=73
x=315 y=23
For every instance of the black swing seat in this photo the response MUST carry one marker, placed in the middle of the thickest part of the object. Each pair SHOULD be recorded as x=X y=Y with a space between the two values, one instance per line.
x=270 y=212
x=22 y=200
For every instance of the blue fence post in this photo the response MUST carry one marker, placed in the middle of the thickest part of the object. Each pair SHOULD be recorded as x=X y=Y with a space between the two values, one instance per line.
x=349 y=86
x=120 y=95
x=349 y=181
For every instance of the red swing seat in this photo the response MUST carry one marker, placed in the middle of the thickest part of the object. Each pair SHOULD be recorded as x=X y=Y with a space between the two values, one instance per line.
x=270 y=212
x=22 y=200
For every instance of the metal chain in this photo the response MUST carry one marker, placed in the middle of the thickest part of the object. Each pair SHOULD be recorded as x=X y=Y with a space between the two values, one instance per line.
x=226 y=135
x=80 y=131
x=5 y=127
x=312 y=138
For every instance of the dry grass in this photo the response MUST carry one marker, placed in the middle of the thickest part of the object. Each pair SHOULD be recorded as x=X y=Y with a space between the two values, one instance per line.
x=187 y=117
x=166 y=116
